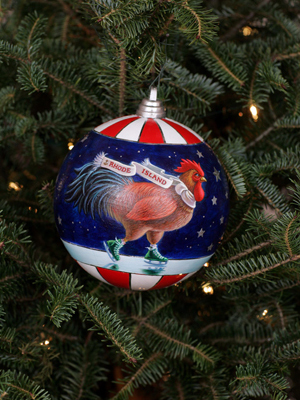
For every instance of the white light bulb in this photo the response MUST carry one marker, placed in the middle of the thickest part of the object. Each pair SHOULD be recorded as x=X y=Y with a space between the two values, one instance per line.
x=254 y=113
x=208 y=290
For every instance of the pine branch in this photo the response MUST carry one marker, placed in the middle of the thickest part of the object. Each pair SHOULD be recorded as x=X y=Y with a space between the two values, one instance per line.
x=11 y=277
x=30 y=33
x=187 y=21
x=29 y=69
x=107 y=321
x=190 y=93
x=218 y=57
x=287 y=56
x=260 y=137
x=280 y=313
x=288 y=26
x=251 y=100
x=122 y=75
x=253 y=380
x=71 y=14
x=64 y=298
x=235 y=170
x=62 y=304
x=243 y=253
x=77 y=91
x=276 y=287
x=242 y=22
x=214 y=385
x=271 y=73
x=14 y=243
x=203 y=355
x=45 y=197
x=286 y=236
x=150 y=313
x=225 y=68
x=288 y=122
x=272 y=195
x=198 y=92
x=81 y=371
x=250 y=264
x=16 y=385
x=150 y=371
x=239 y=225
x=7 y=97
x=122 y=81
x=62 y=336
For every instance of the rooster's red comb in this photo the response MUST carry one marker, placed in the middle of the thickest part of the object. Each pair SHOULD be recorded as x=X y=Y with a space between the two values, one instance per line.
x=186 y=165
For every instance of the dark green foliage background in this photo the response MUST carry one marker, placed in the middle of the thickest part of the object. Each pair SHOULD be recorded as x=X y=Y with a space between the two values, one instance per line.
x=65 y=68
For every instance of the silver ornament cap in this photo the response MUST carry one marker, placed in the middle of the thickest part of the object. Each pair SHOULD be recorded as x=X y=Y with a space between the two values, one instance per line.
x=151 y=108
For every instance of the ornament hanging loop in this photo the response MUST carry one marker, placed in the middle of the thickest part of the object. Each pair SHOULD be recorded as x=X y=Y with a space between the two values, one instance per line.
x=153 y=94
x=151 y=108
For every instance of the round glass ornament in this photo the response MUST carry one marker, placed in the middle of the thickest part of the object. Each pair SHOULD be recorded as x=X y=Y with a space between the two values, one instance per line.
x=141 y=202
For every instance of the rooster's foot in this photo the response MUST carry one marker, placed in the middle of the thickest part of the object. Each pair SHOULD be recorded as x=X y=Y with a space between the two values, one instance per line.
x=113 y=247
x=154 y=257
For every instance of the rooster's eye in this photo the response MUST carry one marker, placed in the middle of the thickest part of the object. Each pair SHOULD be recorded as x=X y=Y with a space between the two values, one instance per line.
x=196 y=177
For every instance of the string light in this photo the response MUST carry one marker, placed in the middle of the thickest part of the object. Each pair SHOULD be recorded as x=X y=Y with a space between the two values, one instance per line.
x=254 y=113
x=45 y=343
x=240 y=114
x=71 y=144
x=207 y=289
x=247 y=31
x=14 y=186
x=206 y=265
x=31 y=209
x=264 y=316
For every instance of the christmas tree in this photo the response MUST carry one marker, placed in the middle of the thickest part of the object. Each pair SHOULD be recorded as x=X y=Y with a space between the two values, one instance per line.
x=229 y=71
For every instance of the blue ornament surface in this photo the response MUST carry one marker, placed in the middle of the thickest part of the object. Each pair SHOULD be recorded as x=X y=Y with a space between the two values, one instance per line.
x=85 y=231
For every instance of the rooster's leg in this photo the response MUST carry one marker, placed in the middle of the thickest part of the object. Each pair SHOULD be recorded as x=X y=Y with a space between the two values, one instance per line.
x=154 y=236
x=134 y=231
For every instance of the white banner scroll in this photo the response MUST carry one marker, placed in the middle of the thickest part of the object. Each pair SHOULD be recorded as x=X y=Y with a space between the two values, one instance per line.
x=152 y=176
x=146 y=170
x=122 y=169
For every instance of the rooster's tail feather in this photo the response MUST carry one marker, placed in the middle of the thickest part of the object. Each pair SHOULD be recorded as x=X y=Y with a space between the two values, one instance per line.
x=94 y=189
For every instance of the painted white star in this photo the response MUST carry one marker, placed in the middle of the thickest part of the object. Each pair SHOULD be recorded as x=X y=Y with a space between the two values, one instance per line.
x=201 y=233
x=210 y=247
x=82 y=140
x=59 y=220
x=199 y=154
x=226 y=195
x=222 y=220
x=216 y=174
x=214 y=201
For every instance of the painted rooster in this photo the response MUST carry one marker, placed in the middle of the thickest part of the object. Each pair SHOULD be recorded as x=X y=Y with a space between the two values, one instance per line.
x=143 y=208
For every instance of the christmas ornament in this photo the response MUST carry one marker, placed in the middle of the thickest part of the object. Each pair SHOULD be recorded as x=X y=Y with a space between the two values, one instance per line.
x=141 y=202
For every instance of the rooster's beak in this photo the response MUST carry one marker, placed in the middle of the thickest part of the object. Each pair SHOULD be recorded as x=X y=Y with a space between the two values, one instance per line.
x=203 y=179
